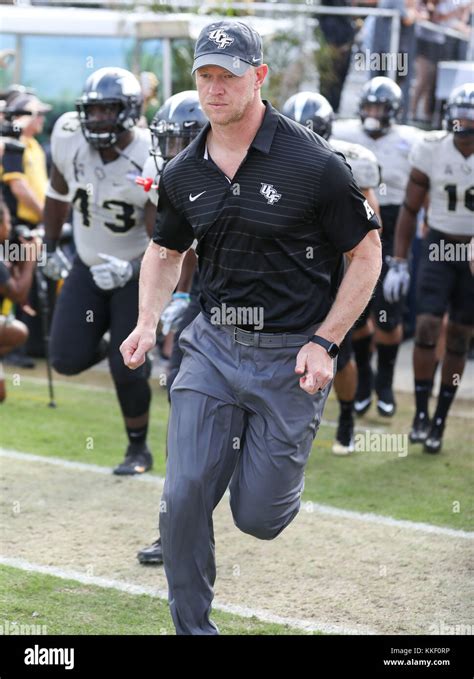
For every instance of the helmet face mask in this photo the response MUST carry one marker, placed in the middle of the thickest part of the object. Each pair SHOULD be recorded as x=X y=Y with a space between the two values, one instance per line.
x=375 y=117
x=117 y=92
x=459 y=111
x=312 y=110
x=379 y=106
x=103 y=131
x=176 y=124
x=169 y=139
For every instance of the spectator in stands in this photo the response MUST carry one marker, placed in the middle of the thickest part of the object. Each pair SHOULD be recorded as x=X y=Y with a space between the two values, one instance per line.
x=24 y=182
x=429 y=51
x=149 y=84
x=454 y=14
x=334 y=56
x=15 y=283
x=25 y=187
x=410 y=12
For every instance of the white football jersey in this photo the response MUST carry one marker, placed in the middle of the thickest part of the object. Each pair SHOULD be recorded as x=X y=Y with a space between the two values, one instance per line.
x=391 y=150
x=363 y=162
x=152 y=170
x=451 y=175
x=108 y=214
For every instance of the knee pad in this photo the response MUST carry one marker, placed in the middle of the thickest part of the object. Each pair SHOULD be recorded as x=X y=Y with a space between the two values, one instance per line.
x=387 y=316
x=428 y=328
x=386 y=321
x=66 y=365
x=345 y=352
x=458 y=338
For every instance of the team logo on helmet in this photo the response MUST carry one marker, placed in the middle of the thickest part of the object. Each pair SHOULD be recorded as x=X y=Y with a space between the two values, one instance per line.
x=221 y=38
x=270 y=193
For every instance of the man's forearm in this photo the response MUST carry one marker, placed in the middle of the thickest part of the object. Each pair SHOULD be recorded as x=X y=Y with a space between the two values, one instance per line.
x=55 y=214
x=415 y=197
x=353 y=295
x=159 y=275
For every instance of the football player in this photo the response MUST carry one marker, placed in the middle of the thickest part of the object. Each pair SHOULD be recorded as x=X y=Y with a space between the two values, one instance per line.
x=97 y=153
x=314 y=111
x=377 y=130
x=173 y=127
x=442 y=167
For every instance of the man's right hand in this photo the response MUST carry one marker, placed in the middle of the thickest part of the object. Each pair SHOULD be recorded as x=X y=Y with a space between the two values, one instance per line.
x=57 y=265
x=397 y=280
x=134 y=349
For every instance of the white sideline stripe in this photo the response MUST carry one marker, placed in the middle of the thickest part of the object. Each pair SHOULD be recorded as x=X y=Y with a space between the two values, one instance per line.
x=130 y=588
x=386 y=520
x=306 y=505
x=76 y=466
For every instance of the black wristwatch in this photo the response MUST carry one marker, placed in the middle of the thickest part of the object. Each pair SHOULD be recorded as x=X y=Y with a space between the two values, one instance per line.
x=331 y=347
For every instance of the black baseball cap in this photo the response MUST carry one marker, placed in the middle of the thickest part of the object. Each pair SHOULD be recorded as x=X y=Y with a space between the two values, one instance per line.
x=231 y=44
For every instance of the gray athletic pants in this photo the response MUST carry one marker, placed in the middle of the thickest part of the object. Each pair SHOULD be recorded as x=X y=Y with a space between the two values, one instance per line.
x=237 y=415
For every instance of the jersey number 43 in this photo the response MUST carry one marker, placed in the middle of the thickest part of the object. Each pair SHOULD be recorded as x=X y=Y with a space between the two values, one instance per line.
x=121 y=212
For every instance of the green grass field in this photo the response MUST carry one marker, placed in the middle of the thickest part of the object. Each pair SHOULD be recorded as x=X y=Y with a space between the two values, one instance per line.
x=87 y=427
x=33 y=599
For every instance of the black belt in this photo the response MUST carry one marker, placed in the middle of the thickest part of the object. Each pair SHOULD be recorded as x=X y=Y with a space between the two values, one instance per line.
x=265 y=340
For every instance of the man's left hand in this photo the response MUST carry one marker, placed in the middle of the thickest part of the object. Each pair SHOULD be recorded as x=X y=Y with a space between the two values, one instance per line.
x=115 y=273
x=316 y=367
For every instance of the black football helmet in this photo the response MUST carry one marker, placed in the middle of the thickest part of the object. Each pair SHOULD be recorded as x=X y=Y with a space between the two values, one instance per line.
x=176 y=124
x=311 y=110
x=460 y=107
x=109 y=87
x=383 y=92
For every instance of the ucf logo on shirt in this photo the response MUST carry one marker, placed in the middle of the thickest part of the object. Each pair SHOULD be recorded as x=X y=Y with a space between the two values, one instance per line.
x=270 y=193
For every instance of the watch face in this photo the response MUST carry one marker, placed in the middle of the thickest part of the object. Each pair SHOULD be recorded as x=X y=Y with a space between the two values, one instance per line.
x=333 y=350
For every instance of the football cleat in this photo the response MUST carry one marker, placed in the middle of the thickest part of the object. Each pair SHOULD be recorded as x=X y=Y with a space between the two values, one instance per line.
x=344 y=443
x=152 y=554
x=419 y=428
x=138 y=460
x=363 y=398
x=434 y=440
x=386 y=405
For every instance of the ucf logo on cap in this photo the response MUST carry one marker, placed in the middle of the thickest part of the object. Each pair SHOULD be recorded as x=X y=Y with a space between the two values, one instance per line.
x=232 y=45
x=221 y=38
